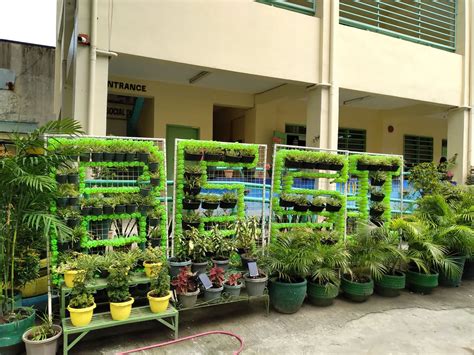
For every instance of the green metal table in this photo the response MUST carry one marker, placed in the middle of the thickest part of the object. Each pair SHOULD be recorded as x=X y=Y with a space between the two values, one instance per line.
x=104 y=320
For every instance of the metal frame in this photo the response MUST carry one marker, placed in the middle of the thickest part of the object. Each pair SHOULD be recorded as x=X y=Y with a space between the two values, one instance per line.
x=164 y=201
x=291 y=6
x=264 y=163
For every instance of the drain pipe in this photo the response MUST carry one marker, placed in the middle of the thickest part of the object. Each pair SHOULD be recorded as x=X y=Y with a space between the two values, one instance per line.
x=92 y=62
x=332 y=28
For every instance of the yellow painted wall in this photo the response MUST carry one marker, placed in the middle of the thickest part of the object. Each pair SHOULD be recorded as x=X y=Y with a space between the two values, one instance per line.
x=376 y=63
x=184 y=105
x=239 y=35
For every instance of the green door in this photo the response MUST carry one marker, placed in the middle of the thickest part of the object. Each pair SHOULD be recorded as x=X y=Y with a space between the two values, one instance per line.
x=173 y=132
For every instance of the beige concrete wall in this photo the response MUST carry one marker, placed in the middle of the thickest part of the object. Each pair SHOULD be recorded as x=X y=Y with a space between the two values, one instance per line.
x=376 y=63
x=239 y=35
x=185 y=105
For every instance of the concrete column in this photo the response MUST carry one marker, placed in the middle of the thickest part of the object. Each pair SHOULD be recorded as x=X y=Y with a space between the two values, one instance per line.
x=459 y=125
x=322 y=113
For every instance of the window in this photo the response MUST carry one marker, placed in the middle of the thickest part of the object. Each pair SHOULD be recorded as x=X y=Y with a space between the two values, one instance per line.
x=352 y=139
x=417 y=150
x=444 y=148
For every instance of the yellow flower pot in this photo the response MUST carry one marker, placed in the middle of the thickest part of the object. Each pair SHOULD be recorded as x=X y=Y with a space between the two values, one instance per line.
x=81 y=317
x=151 y=267
x=121 y=310
x=69 y=277
x=158 y=304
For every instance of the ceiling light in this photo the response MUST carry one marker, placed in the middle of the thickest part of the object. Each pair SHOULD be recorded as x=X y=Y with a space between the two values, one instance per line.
x=357 y=99
x=199 y=76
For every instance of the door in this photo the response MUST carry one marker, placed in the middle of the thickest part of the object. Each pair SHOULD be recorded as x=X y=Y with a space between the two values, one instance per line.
x=173 y=132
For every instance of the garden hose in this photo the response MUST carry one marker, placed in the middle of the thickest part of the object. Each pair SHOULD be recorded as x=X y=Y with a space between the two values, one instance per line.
x=159 y=345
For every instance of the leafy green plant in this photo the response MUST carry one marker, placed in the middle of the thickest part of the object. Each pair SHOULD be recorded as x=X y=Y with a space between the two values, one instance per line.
x=318 y=201
x=193 y=169
x=335 y=202
x=247 y=232
x=289 y=256
x=247 y=152
x=192 y=217
x=287 y=197
x=193 y=150
x=81 y=297
x=153 y=255
x=117 y=283
x=43 y=331
x=221 y=246
x=198 y=246
x=378 y=207
x=67 y=190
x=378 y=175
x=160 y=283
x=214 y=150
x=232 y=152
x=229 y=197
x=212 y=198
x=328 y=263
x=301 y=200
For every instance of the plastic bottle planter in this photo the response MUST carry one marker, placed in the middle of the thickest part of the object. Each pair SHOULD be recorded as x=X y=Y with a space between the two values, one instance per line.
x=390 y=285
x=377 y=167
x=131 y=208
x=192 y=156
x=286 y=203
x=316 y=208
x=210 y=205
x=322 y=295
x=213 y=157
x=227 y=204
x=357 y=291
x=143 y=157
x=191 y=204
x=331 y=208
x=108 y=209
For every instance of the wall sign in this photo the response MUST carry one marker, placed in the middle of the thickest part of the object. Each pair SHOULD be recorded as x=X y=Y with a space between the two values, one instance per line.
x=126 y=86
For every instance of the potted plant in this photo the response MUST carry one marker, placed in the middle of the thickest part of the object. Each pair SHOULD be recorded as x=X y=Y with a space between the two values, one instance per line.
x=288 y=261
x=247 y=155
x=228 y=200
x=329 y=161
x=293 y=160
x=317 y=204
x=233 y=286
x=395 y=260
x=118 y=291
x=192 y=185
x=153 y=218
x=210 y=201
x=366 y=257
x=84 y=154
x=153 y=162
x=192 y=171
x=376 y=195
x=198 y=247
x=191 y=202
x=191 y=219
x=154 y=179
x=216 y=275
x=108 y=155
x=97 y=154
x=328 y=262
x=119 y=204
x=377 y=209
x=186 y=287
x=145 y=187
x=159 y=294
x=221 y=247
x=81 y=305
x=181 y=257
x=76 y=266
x=129 y=151
x=193 y=153
x=333 y=204
x=131 y=203
x=108 y=206
x=61 y=175
x=214 y=154
x=232 y=156
x=301 y=203
x=143 y=155
x=377 y=178
x=42 y=339
x=287 y=200
x=153 y=260
x=247 y=232
x=71 y=216
x=155 y=237
x=85 y=207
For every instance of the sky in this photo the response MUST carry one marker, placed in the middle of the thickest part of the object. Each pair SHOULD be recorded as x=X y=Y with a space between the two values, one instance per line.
x=30 y=21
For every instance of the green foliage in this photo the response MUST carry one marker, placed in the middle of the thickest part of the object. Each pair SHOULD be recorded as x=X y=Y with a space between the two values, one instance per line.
x=301 y=200
x=378 y=175
x=153 y=255
x=329 y=261
x=247 y=232
x=197 y=245
x=193 y=169
x=318 y=201
x=289 y=256
x=210 y=198
x=117 y=283
x=379 y=160
x=221 y=246
x=232 y=153
x=160 y=283
x=81 y=297
x=378 y=206
x=43 y=331
x=28 y=187
x=426 y=178
x=229 y=197
x=192 y=216
x=335 y=202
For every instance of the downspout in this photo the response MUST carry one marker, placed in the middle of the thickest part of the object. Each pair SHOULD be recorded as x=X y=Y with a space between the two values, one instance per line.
x=332 y=27
x=92 y=62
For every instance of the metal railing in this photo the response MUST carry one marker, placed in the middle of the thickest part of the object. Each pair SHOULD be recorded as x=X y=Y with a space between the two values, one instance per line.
x=427 y=22
x=304 y=6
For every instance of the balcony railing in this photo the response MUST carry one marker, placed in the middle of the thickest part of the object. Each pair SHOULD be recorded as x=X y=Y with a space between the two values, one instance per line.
x=304 y=6
x=428 y=22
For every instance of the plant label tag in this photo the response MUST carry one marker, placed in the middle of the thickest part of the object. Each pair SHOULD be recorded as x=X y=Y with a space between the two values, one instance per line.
x=253 y=269
x=206 y=282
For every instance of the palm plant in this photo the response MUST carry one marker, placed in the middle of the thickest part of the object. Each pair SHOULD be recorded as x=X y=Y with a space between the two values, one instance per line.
x=329 y=261
x=25 y=201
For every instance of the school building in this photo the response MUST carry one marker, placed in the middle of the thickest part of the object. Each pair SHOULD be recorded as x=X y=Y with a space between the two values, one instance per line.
x=380 y=76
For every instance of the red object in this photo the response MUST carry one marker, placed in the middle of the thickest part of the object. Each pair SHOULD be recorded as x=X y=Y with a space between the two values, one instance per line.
x=83 y=39
x=159 y=345
x=216 y=275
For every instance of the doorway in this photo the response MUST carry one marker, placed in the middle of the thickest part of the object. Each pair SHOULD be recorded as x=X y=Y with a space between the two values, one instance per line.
x=129 y=116
x=228 y=124
x=173 y=132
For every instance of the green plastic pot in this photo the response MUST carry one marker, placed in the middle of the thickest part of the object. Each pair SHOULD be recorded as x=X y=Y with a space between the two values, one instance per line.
x=287 y=297
x=322 y=295
x=11 y=333
x=357 y=291
x=421 y=283
x=390 y=285
x=468 y=273
x=453 y=281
